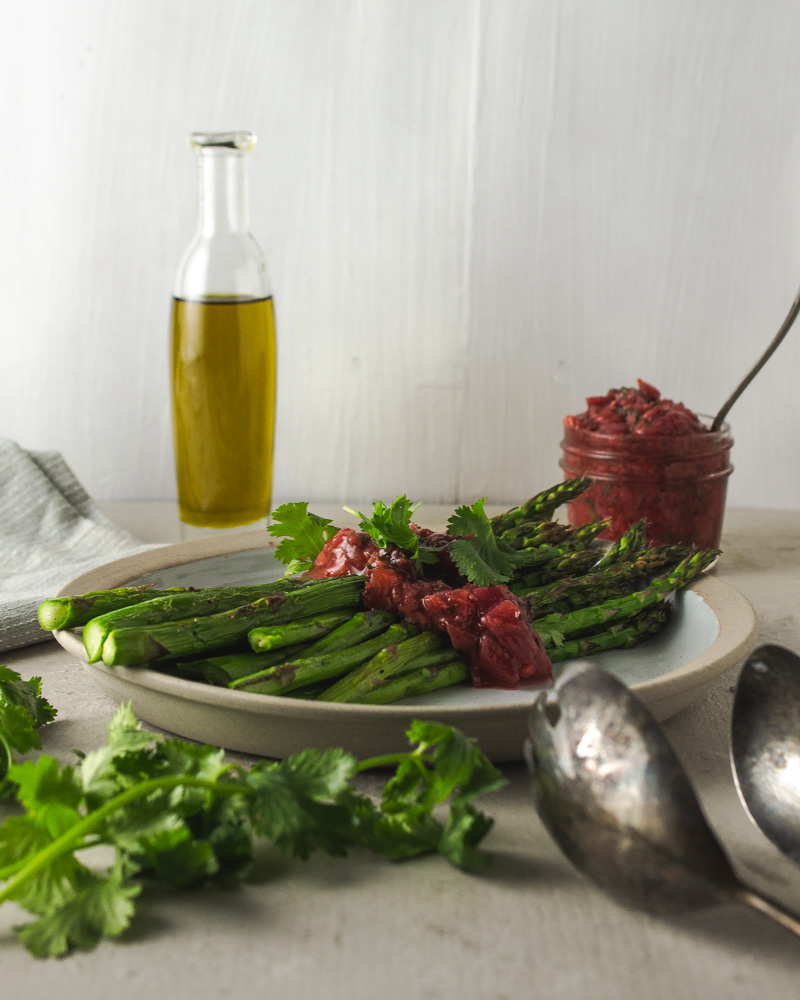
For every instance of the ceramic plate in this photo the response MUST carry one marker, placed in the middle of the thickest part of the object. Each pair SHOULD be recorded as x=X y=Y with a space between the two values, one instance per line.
x=713 y=627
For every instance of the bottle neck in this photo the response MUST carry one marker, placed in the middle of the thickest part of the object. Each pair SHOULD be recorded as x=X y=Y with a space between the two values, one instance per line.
x=223 y=192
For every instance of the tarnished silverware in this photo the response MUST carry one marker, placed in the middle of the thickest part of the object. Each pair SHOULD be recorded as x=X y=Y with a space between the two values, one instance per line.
x=616 y=799
x=765 y=744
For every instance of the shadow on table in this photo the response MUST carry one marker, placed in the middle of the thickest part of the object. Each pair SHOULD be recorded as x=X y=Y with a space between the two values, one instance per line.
x=739 y=928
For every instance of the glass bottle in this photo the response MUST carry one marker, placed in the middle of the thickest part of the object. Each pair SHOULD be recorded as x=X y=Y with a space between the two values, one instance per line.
x=223 y=350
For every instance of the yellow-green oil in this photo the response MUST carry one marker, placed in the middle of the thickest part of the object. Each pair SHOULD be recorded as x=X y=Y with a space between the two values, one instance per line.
x=223 y=408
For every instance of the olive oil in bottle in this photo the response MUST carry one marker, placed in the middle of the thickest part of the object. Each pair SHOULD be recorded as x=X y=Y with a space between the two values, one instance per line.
x=223 y=350
x=223 y=399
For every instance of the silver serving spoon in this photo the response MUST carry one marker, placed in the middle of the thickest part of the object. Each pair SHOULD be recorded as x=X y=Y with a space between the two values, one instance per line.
x=613 y=794
x=765 y=744
x=791 y=316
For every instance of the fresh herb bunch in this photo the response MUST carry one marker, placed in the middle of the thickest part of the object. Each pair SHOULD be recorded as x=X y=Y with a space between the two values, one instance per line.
x=22 y=711
x=178 y=812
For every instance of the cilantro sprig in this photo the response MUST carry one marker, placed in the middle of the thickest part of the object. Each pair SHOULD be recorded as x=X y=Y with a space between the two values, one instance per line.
x=178 y=812
x=392 y=526
x=479 y=555
x=304 y=534
x=22 y=711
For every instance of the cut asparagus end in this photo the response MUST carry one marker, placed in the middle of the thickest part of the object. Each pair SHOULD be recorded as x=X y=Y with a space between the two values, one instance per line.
x=94 y=635
x=130 y=648
x=54 y=613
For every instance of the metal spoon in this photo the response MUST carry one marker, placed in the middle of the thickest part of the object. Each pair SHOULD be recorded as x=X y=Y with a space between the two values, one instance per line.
x=791 y=316
x=765 y=744
x=611 y=791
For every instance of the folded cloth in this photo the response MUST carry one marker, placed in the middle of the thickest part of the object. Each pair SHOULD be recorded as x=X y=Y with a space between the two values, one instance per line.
x=50 y=532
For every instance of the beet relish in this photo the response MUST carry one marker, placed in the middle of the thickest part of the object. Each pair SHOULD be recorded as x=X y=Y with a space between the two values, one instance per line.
x=650 y=459
x=489 y=626
x=636 y=411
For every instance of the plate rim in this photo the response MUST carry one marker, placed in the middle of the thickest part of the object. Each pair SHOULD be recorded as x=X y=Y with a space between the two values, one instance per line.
x=738 y=631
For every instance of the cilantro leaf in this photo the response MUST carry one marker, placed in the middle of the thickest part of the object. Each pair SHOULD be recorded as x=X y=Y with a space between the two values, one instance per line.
x=306 y=802
x=98 y=907
x=465 y=829
x=144 y=828
x=548 y=631
x=392 y=526
x=23 y=837
x=119 y=763
x=28 y=694
x=181 y=860
x=303 y=533
x=22 y=710
x=460 y=769
x=389 y=525
x=401 y=835
x=231 y=837
x=446 y=765
x=18 y=729
x=480 y=556
x=44 y=782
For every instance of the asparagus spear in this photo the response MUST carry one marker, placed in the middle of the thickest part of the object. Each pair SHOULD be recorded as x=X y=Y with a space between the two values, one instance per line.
x=552 y=628
x=72 y=612
x=537 y=533
x=622 y=635
x=631 y=541
x=420 y=681
x=302 y=672
x=600 y=584
x=528 y=537
x=268 y=637
x=533 y=557
x=542 y=506
x=177 y=607
x=569 y=564
x=308 y=693
x=131 y=646
x=361 y=626
x=222 y=670
x=427 y=649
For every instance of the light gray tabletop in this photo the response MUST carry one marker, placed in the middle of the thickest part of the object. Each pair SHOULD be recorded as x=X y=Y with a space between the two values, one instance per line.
x=332 y=929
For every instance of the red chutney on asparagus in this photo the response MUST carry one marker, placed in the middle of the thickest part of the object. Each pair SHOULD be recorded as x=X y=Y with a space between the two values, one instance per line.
x=489 y=626
x=510 y=594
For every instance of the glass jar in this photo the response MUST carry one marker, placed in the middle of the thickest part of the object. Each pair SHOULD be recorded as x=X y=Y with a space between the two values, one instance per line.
x=223 y=353
x=677 y=483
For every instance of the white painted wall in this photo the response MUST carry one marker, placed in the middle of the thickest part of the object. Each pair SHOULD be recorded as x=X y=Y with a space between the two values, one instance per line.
x=476 y=212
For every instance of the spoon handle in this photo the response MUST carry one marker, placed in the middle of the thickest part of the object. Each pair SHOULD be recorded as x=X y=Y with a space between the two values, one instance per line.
x=769 y=909
x=785 y=326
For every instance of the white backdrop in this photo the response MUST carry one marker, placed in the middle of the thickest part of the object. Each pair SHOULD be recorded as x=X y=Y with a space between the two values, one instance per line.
x=476 y=212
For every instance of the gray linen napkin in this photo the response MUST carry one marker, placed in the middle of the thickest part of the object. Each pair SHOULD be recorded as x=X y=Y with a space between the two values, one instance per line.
x=50 y=531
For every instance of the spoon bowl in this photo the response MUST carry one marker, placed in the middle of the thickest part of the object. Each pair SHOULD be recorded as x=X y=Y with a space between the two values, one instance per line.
x=765 y=744
x=616 y=799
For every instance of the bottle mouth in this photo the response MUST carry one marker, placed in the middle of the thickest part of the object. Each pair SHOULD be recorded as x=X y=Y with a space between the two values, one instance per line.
x=243 y=141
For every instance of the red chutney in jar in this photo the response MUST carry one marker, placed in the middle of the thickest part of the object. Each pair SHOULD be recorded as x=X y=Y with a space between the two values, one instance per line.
x=650 y=458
